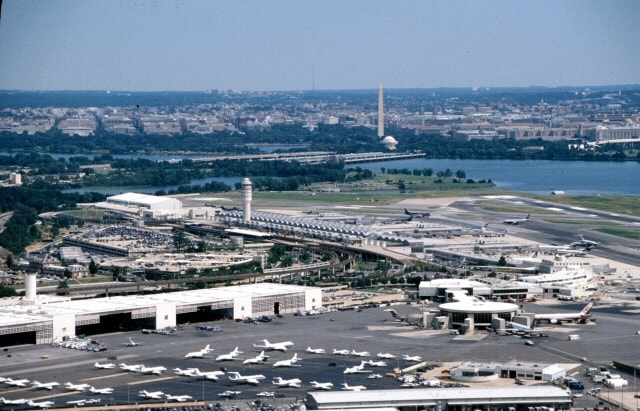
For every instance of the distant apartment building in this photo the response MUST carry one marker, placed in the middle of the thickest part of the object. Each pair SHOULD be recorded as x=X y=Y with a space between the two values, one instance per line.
x=30 y=124
x=467 y=135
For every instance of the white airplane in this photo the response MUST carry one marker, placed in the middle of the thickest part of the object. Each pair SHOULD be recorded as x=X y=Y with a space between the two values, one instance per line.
x=131 y=368
x=258 y=359
x=44 y=385
x=41 y=404
x=229 y=393
x=374 y=376
x=321 y=385
x=178 y=398
x=516 y=221
x=581 y=317
x=347 y=387
x=189 y=372
x=16 y=383
x=19 y=401
x=95 y=390
x=360 y=353
x=151 y=370
x=341 y=352
x=84 y=401
x=237 y=378
x=279 y=346
x=76 y=387
x=265 y=394
x=522 y=328
x=208 y=375
x=230 y=356
x=156 y=395
x=356 y=369
x=376 y=363
x=386 y=356
x=316 y=350
x=414 y=358
x=588 y=244
x=572 y=252
x=288 y=363
x=293 y=383
x=105 y=366
x=199 y=354
x=132 y=343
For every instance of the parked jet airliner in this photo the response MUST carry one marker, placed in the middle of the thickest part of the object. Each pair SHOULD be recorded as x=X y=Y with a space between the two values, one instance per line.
x=581 y=317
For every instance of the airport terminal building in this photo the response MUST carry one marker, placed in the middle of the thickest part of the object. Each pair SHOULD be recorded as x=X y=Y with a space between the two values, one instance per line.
x=36 y=320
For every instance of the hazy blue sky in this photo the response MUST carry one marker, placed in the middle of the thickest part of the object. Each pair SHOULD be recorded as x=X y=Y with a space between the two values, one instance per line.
x=284 y=45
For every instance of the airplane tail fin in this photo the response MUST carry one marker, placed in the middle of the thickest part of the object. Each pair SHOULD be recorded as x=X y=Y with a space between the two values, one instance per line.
x=586 y=310
x=394 y=313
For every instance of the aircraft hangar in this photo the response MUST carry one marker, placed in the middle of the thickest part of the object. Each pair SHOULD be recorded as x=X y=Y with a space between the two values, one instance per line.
x=42 y=321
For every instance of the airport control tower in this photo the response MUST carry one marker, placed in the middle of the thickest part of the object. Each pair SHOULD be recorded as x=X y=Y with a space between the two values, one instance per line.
x=246 y=199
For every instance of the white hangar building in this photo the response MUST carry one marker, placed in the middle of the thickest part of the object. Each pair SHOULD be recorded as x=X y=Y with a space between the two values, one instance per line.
x=139 y=204
x=521 y=398
x=32 y=322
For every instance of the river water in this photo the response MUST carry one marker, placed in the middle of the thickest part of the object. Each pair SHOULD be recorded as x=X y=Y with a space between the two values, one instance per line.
x=530 y=176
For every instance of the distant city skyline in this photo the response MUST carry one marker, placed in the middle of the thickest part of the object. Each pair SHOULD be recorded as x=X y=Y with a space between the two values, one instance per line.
x=156 y=45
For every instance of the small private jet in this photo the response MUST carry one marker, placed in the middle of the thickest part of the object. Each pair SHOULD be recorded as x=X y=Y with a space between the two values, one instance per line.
x=341 y=352
x=266 y=394
x=347 y=387
x=376 y=363
x=16 y=383
x=230 y=356
x=41 y=404
x=44 y=385
x=132 y=343
x=385 y=356
x=316 y=350
x=76 y=387
x=155 y=395
x=84 y=401
x=19 y=401
x=292 y=383
x=229 y=393
x=327 y=386
x=209 y=375
x=516 y=221
x=374 y=376
x=288 y=363
x=178 y=398
x=414 y=358
x=279 y=346
x=151 y=370
x=258 y=359
x=356 y=369
x=104 y=391
x=360 y=353
x=237 y=378
x=199 y=354
x=105 y=366
x=130 y=368
x=189 y=372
